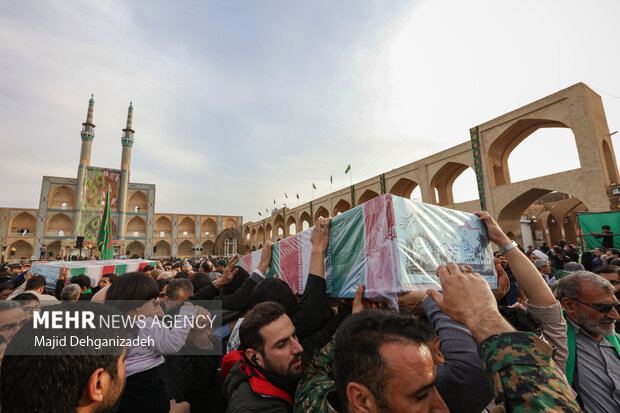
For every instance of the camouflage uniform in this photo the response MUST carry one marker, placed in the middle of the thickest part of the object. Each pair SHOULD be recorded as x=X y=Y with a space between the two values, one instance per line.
x=522 y=375
x=518 y=364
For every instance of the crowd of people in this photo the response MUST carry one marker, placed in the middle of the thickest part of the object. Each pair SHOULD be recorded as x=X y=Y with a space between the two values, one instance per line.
x=544 y=340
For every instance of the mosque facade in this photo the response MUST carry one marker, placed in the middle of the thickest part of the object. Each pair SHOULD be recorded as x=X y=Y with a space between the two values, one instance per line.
x=70 y=208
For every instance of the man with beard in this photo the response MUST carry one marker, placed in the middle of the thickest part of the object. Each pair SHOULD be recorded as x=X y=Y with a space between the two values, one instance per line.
x=267 y=365
x=593 y=365
x=73 y=379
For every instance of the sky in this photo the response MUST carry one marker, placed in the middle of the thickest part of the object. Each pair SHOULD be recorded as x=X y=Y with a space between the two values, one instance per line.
x=238 y=102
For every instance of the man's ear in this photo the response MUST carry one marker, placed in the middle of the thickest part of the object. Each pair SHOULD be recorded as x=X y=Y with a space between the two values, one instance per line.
x=360 y=398
x=96 y=387
x=41 y=289
x=254 y=356
x=436 y=353
x=568 y=305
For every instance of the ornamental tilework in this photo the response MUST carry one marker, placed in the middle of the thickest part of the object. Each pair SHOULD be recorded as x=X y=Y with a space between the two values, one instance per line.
x=475 y=144
x=382 y=183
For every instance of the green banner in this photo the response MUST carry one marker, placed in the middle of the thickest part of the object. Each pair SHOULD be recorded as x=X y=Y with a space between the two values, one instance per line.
x=592 y=223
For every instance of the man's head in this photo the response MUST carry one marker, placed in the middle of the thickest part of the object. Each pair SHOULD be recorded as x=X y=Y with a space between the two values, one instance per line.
x=502 y=260
x=179 y=289
x=589 y=301
x=611 y=273
x=167 y=267
x=108 y=279
x=615 y=253
x=147 y=269
x=80 y=381
x=521 y=297
x=606 y=228
x=70 y=292
x=221 y=265
x=273 y=289
x=558 y=253
x=598 y=252
x=36 y=284
x=382 y=363
x=82 y=280
x=267 y=339
x=6 y=288
x=16 y=268
x=12 y=318
x=30 y=304
x=543 y=266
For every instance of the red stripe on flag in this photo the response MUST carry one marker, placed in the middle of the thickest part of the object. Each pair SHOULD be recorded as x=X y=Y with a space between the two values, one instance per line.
x=246 y=262
x=107 y=269
x=142 y=265
x=289 y=261
x=378 y=228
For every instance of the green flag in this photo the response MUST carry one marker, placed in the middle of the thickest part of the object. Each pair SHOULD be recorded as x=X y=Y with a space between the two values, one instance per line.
x=348 y=169
x=313 y=186
x=104 y=240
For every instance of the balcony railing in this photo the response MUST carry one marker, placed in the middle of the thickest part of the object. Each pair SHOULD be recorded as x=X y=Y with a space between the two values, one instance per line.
x=58 y=233
x=60 y=205
x=21 y=234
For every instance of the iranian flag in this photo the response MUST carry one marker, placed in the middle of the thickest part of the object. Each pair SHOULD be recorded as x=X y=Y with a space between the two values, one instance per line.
x=390 y=244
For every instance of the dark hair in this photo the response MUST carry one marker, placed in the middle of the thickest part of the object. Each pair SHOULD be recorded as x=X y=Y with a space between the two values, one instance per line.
x=25 y=297
x=162 y=283
x=82 y=280
x=132 y=286
x=111 y=276
x=521 y=320
x=200 y=280
x=177 y=284
x=182 y=275
x=207 y=266
x=607 y=269
x=63 y=377
x=236 y=282
x=605 y=227
x=148 y=268
x=356 y=352
x=7 y=286
x=260 y=316
x=177 y=265
x=273 y=289
x=35 y=282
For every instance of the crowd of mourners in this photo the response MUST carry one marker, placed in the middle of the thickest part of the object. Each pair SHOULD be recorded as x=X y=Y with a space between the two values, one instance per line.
x=544 y=340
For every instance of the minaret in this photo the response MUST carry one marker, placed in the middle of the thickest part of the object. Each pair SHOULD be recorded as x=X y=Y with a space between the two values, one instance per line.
x=87 y=134
x=127 y=141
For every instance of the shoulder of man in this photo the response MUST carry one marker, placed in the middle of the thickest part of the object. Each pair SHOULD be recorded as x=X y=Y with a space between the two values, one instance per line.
x=528 y=375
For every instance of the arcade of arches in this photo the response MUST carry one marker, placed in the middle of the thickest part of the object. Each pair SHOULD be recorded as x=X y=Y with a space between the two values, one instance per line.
x=533 y=210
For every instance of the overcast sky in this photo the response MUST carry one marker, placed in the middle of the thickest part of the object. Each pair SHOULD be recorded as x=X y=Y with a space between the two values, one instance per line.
x=238 y=102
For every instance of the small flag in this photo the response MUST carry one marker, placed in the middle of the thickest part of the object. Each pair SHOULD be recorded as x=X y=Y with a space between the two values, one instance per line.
x=348 y=169
x=285 y=196
x=260 y=214
x=331 y=179
x=297 y=196
x=313 y=186
x=105 y=238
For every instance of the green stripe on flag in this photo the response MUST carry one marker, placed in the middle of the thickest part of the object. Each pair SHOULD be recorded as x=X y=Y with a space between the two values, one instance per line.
x=274 y=266
x=347 y=248
x=78 y=271
x=120 y=269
